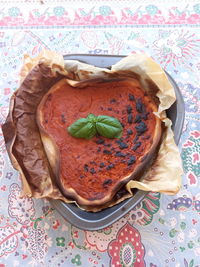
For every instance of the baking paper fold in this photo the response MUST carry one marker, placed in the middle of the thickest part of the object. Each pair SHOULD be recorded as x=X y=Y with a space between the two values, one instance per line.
x=22 y=136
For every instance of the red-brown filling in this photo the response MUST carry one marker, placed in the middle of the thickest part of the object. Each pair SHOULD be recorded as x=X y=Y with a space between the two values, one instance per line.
x=91 y=167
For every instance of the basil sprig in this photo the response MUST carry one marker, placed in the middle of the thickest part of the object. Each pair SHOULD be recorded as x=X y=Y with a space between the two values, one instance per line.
x=88 y=127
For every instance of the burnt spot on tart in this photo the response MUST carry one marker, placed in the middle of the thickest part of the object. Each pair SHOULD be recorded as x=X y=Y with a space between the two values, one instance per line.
x=136 y=146
x=63 y=119
x=129 y=132
x=100 y=141
x=138 y=118
x=131 y=97
x=102 y=164
x=106 y=183
x=107 y=152
x=131 y=160
x=130 y=118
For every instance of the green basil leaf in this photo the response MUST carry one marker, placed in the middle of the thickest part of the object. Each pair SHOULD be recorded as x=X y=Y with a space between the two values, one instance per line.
x=109 y=127
x=82 y=128
x=92 y=118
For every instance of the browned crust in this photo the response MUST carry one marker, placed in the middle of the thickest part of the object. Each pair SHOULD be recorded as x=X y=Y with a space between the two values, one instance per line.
x=70 y=192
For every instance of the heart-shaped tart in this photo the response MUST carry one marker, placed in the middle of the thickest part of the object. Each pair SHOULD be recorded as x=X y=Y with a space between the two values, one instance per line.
x=92 y=171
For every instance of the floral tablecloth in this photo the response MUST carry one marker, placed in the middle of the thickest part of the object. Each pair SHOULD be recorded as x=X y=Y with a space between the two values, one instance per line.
x=162 y=231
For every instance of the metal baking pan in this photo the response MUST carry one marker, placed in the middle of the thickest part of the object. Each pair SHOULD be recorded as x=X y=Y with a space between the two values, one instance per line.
x=98 y=220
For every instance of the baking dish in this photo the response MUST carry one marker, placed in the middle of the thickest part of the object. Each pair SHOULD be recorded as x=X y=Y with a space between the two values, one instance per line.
x=98 y=220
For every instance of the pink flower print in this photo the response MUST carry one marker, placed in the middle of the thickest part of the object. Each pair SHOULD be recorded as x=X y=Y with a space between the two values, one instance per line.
x=176 y=47
x=188 y=143
x=195 y=158
x=127 y=249
x=192 y=178
x=169 y=44
x=195 y=134
x=56 y=224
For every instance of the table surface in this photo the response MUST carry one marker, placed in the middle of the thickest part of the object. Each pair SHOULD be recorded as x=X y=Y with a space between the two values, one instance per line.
x=162 y=231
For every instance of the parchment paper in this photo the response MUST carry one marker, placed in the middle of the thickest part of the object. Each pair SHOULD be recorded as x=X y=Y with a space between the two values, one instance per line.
x=22 y=136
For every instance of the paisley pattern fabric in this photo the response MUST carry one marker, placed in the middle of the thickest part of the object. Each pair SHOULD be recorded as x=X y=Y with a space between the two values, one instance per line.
x=161 y=231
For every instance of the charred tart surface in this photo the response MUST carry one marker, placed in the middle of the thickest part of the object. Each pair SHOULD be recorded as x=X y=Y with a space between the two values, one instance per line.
x=92 y=171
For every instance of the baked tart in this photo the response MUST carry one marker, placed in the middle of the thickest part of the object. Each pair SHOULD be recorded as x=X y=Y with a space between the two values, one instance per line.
x=91 y=171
